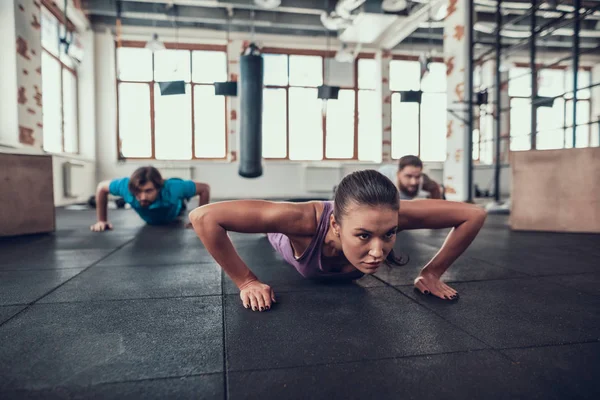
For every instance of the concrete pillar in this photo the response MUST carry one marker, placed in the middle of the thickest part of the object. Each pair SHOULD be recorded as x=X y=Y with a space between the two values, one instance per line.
x=234 y=52
x=21 y=80
x=382 y=61
x=456 y=42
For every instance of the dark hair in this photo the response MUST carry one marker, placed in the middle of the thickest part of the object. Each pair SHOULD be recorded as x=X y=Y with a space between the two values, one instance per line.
x=413 y=161
x=367 y=187
x=143 y=175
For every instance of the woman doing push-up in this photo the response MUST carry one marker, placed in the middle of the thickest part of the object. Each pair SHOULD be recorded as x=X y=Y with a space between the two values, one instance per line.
x=348 y=237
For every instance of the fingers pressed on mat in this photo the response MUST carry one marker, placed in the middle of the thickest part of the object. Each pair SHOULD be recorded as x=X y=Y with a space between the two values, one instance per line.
x=422 y=288
x=261 y=302
x=253 y=303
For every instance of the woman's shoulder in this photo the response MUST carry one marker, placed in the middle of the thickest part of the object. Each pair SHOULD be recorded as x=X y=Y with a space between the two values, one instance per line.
x=308 y=214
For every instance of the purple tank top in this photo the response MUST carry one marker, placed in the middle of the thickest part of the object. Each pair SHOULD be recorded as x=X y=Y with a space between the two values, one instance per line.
x=309 y=263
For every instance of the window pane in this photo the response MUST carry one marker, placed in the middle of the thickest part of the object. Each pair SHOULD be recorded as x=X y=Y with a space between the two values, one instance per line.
x=134 y=120
x=306 y=71
x=551 y=82
x=274 y=125
x=520 y=124
x=433 y=127
x=405 y=128
x=367 y=76
x=209 y=66
x=595 y=142
x=435 y=80
x=209 y=123
x=487 y=143
x=276 y=69
x=551 y=118
x=306 y=125
x=583 y=117
x=475 y=144
x=172 y=65
x=583 y=112
x=340 y=126
x=51 y=103
x=49 y=31
x=584 y=79
x=134 y=64
x=173 y=125
x=71 y=127
x=66 y=59
x=546 y=140
x=519 y=83
x=405 y=75
x=369 y=139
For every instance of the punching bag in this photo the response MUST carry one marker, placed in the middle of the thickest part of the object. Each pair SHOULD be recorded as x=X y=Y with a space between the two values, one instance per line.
x=251 y=68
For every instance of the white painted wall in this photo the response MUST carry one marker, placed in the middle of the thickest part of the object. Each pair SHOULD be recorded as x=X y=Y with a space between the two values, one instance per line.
x=85 y=178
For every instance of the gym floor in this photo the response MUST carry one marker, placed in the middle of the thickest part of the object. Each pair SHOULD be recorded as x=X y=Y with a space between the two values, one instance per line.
x=144 y=312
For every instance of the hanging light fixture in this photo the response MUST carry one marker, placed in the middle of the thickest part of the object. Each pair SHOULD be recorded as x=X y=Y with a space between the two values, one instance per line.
x=325 y=91
x=155 y=44
x=228 y=88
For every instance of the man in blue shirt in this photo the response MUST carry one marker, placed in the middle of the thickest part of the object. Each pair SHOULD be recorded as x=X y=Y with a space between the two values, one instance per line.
x=156 y=200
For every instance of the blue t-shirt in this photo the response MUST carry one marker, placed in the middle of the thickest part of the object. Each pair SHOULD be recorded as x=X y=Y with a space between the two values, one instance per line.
x=167 y=205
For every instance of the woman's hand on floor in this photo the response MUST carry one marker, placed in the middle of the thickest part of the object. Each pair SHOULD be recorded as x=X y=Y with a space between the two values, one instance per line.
x=257 y=296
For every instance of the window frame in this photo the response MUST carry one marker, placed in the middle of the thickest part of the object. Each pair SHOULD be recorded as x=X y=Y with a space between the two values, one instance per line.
x=152 y=85
x=402 y=57
x=566 y=125
x=52 y=9
x=324 y=54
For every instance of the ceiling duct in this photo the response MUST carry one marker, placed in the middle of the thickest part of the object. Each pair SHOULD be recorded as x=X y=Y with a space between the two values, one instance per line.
x=268 y=4
x=368 y=20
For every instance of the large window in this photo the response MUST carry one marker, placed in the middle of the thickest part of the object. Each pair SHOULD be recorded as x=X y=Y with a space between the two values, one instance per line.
x=296 y=124
x=418 y=128
x=299 y=126
x=171 y=126
x=59 y=89
x=555 y=122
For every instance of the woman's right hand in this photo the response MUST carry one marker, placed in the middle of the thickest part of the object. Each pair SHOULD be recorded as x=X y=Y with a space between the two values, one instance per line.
x=257 y=295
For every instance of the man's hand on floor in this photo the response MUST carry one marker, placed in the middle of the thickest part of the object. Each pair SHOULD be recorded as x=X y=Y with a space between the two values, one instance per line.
x=101 y=226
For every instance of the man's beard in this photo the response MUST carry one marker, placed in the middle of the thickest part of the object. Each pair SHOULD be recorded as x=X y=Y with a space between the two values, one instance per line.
x=408 y=192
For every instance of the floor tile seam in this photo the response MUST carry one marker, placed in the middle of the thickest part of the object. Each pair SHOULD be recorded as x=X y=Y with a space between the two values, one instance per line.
x=510 y=278
x=64 y=283
x=541 y=346
x=492 y=263
x=490 y=347
x=358 y=361
x=39 y=269
x=128 y=299
x=110 y=383
x=153 y=265
x=224 y=338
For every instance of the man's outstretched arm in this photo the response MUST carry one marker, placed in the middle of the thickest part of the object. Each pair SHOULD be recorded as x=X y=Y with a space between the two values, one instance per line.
x=203 y=192
x=101 y=208
x=429 y=185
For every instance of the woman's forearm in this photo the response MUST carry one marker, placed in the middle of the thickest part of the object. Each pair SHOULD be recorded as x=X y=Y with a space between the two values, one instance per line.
x=217 y=242
x=458 y=240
